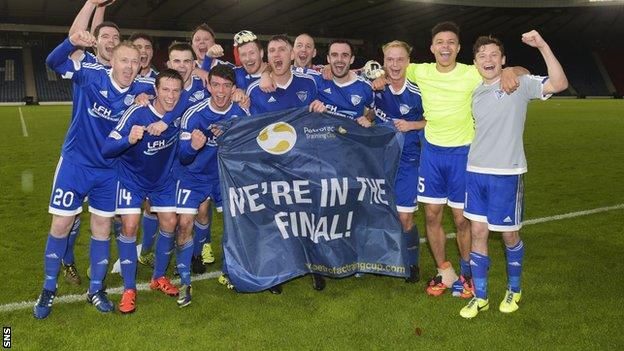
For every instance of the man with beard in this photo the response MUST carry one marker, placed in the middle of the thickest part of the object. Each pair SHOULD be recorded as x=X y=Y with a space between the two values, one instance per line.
x=102 y=98
x=346 y=94
x=144 y=169
x=294 y=89
x=250 y=54
x=145 y=44
x=198 y=176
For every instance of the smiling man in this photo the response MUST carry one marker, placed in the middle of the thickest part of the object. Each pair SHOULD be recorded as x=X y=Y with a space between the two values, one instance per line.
x=145 y=170
x=197 y=172
x=496 y=163
x=101 y=99
x=145 y=44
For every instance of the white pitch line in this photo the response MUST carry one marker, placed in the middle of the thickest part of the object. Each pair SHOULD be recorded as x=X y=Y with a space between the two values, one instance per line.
x=9 y=307
x=553 y=218
x=24 y=130
x=211 y=275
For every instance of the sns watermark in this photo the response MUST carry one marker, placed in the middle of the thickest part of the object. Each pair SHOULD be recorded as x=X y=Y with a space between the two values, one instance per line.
x=6 y=337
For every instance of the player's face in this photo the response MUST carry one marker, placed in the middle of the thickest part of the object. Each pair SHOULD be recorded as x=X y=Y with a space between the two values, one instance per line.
x=125 y=65
x=489 y=61
x=146 y=52
x=181 y=61
x=168 y=93
x=221 y=91
x=396 y=60
x=250 y=56
x=279 y=56
x=340 y=59
x=107 y=39
x=202 y=41
x=445 y=46
x=304 y=51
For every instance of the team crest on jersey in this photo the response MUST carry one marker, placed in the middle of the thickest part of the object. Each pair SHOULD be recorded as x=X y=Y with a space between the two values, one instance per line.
x=199 y=95
x=129 y=100
x=499 y=93
x=302 y=95
x=404 y=109
x=356 y=99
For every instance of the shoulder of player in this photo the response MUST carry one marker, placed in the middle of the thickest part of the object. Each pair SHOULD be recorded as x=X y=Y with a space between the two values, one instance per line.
x=303 y=77
x=253 y=88
x=412 y=87
x=132 y=113
x=193 y=111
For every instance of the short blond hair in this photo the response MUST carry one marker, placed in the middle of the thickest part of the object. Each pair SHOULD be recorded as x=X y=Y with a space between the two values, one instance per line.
x=126 y=44
x=397 y=44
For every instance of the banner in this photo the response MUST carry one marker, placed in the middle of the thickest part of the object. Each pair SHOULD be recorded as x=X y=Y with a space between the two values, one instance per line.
x=306 y=192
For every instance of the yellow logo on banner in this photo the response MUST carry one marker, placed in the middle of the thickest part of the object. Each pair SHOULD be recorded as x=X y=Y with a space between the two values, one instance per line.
x=277 y=138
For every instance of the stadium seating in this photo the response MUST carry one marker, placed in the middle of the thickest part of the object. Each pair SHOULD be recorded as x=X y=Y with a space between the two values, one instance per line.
x=50 y=86
x=12 y=76
x=613 y=63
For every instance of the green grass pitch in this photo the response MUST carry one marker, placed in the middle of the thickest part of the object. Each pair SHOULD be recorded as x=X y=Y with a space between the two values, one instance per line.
x=573 y=296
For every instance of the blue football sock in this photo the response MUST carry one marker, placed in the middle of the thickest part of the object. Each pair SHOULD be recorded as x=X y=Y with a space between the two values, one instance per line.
x=128 y=258
x=164 y=248
x=514 y=265
x=99 y=254
x=69 y=258
x=117 y=226
x=55 y=249
x=150 y=230
x=202 y=235
x=480 y=265
x=183 y=258
x=412 y=241
x=464 y=268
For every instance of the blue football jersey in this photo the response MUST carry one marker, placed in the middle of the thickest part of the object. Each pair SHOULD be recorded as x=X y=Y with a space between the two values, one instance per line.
x=148 y=163
x=243 y=79
x=299 y=91
x=151 y=74
x=99 y=105
x=347 y=99
x=405 y=104
x=202 y=164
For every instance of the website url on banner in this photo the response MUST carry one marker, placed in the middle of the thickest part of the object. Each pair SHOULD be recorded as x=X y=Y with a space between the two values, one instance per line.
x=355 y=267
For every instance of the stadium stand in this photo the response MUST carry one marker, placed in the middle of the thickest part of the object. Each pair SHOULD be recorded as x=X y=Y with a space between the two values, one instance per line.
x=11 y=75
x=613 y=63
x=50 y=86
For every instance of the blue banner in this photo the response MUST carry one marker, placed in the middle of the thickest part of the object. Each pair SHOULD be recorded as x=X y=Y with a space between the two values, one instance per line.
x=306 y=192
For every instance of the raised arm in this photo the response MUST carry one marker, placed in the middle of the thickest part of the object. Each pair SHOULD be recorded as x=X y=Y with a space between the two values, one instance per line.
x=557 y=80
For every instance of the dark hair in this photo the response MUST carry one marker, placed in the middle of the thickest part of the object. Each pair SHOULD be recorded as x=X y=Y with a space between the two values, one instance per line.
x=485 y=40
x=341 y=41
x=141 y=35
x=181 y=46
x=445 y=27
x=104 y=24
x=281 y=37
x=222 y=71
x=169 y=73
x=203 y=27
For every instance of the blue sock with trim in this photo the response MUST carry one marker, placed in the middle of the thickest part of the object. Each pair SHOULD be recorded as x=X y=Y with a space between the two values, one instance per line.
x=128 y=259
x=55 y=249
x=514 y=255
x=164 y=249
x=150 y=230
x=69 y=258
x=480 y=265
x=99 y=254
x=183 y=259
